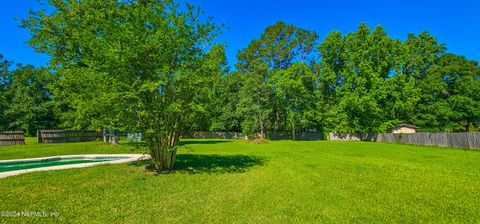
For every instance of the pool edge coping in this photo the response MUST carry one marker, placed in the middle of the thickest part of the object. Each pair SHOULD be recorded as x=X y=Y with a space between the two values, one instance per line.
x=128 y=158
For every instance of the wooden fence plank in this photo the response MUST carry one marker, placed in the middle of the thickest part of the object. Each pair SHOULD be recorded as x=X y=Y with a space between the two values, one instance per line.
x=270 y=135
x=59 y=136
x=12 y=138
x=454 y=140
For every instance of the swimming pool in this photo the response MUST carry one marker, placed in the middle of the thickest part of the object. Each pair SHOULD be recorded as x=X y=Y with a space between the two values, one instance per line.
x=19 y=166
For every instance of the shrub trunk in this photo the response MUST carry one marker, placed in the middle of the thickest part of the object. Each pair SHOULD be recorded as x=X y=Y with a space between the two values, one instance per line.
x=163 y=152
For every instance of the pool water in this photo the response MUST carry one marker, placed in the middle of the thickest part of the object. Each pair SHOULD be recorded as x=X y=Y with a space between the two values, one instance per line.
x=23 y=165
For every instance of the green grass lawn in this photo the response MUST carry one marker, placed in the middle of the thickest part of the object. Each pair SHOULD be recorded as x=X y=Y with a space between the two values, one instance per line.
x=220 y=181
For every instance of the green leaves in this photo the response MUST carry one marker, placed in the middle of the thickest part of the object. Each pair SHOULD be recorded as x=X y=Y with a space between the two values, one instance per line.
x=453 y=82
x=270 y=72
x=366 y=82
x=25 y=100
x=355 y=69
x=131 y=65
x=149 y=66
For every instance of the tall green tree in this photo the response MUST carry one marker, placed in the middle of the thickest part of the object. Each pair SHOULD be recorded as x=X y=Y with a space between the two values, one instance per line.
x=297 y=91
x=456 y=96
x=418 y=55
x=30 y=106
x=133 y=65
x=370 y=82
x=224 y=112
x=353 y=74
x=5 y=81
x=254 y=103
x=279 y=47
x=214 y=98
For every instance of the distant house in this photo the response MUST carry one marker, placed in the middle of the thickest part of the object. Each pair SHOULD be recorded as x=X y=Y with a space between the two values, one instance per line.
x=404 y=129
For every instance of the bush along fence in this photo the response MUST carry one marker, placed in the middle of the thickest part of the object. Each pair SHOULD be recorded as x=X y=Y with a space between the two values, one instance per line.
x=12 y=138
x=454 y=140
x=59 y=136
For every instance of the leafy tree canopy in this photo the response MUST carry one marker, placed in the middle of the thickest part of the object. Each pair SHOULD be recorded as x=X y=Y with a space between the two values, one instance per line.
x=133 y=65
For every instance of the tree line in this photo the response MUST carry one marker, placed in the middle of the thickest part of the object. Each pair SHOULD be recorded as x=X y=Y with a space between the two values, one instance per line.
x=360 y=82
x=287 y=81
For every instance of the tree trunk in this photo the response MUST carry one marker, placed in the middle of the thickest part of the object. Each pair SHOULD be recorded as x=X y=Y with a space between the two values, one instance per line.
x=277 y=120
x=262 y=130
x=293 y=130
x=164 y=160
x=163 y=152
x=104 y=135
x=169 y=160
x=114 y=140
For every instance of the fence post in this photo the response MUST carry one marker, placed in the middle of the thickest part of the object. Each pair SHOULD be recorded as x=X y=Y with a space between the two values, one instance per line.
x=39 y=137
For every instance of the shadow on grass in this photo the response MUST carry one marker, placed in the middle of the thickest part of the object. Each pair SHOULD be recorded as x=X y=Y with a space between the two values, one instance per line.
x=202 y=142
x=192 y=164
x=211 y=164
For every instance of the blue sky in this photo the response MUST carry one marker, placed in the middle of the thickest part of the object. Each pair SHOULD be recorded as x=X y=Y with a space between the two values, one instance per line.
x=455 y=23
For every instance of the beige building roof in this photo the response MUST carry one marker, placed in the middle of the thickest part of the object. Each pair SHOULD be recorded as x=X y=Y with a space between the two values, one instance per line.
x=404 y=128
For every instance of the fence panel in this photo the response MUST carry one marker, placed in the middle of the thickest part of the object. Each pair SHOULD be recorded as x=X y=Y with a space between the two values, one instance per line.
x=458 y=140
x=474 y=140
x=454 y=140
x=388 y=137
x=51 y=136
x=344 y=137
x=439 y=139
x=59 y=136
x=12 y=138
x=278 y=136
x=352 y=137
x=403 y=138
x=270 y=135
x=305 y=136
x=216 y=135
x=309 y=136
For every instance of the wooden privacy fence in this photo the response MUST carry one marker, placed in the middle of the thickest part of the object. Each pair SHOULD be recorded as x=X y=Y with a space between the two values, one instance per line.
x=58 y=136
x=269 y=135
x=12 y=138
x=454 y=140
x=298 y=136
x=351 y=137
x=216 y=135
